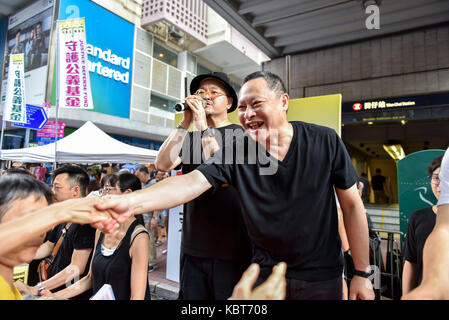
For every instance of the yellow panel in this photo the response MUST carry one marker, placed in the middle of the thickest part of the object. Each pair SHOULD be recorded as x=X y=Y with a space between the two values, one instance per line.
x=321 y=110
x=20 y=273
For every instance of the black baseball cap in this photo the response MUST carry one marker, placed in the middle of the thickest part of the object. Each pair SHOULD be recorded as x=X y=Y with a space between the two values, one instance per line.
x=222 y=77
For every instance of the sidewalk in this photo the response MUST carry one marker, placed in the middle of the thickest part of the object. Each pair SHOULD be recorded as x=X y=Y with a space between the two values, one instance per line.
x=162 y=288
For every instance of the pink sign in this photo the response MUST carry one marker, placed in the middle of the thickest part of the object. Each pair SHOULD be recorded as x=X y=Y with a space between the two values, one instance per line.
x=50 y=129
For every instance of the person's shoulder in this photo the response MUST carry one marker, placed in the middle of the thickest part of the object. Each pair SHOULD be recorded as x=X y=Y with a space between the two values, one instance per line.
x=420 y=213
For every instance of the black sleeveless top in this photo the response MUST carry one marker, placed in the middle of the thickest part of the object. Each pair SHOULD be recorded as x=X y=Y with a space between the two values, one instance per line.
x=115 y=270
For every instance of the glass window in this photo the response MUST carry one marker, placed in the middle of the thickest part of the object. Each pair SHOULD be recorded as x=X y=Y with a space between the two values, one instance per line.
x=200 y=69
x=165 y=55
x=162 y=103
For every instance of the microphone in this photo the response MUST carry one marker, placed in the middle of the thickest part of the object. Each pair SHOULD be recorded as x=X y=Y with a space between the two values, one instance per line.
x=182 y=106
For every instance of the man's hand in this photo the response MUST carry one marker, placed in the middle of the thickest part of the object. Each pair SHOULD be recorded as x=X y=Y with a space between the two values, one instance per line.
x=274 y=288
x=82 y=210
x=361 y=288
x=25 y=289
x=117 y=207
x=197 y=112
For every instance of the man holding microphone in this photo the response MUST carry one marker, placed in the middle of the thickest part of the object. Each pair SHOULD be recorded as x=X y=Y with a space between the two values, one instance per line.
x=215 y=247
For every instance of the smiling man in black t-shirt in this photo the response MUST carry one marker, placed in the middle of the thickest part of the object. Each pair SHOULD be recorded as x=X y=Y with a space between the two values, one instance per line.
x=285 y=174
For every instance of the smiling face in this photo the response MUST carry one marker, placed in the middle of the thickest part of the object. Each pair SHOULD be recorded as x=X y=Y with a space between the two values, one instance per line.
x=18 y=209
x=261 y=110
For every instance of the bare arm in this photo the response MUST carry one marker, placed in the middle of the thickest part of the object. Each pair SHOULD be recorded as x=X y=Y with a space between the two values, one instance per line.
x=409 y=275
x=18 y=231
x=356 y=227
x=44 y=250
x=168 y=155
x=80 y=286
x=435 y=282
x=71 y=272
x=139 y=252
x=342 y=231
x=167 y=193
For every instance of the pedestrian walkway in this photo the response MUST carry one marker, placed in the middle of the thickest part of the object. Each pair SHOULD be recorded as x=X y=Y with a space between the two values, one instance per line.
x=162 y=288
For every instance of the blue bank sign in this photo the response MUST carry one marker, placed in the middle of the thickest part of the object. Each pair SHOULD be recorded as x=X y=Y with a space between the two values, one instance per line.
x=110 y=42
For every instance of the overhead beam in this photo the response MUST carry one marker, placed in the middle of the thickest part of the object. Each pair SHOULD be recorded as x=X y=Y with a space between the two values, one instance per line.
x=357 y=24
x=363 y=34
x=296 y=10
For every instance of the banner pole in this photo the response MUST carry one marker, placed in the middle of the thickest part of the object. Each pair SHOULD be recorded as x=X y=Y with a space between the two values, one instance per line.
x=57 y=94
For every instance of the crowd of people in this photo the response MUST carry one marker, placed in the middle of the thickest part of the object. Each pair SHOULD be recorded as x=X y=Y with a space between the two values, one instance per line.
x=261 y=218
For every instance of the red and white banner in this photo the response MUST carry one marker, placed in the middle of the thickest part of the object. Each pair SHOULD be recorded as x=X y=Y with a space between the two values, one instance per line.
x=73 y=73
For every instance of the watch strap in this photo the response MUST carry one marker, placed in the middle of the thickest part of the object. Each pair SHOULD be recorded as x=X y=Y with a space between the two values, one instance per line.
x=362 y=274
x=209 y=132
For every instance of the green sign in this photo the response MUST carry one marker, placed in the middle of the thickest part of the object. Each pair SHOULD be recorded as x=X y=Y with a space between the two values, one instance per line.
x=414 y=189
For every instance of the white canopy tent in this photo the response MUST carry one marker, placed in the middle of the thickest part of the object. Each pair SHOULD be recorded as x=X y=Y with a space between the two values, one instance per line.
x=88 y=144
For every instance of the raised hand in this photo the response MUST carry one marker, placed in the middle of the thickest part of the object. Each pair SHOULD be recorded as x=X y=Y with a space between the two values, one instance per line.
x=274 y=288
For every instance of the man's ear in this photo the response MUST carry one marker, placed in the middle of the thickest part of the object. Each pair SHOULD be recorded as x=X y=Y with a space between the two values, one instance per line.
x=76 y=191
x=230 y=100
x=285 y=98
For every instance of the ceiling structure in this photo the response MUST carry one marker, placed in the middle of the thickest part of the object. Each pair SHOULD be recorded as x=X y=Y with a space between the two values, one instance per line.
x=284 y=27
x=413 y=136
x=9 y=7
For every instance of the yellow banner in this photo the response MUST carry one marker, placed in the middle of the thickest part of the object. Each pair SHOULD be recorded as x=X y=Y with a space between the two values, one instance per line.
x=321 y=110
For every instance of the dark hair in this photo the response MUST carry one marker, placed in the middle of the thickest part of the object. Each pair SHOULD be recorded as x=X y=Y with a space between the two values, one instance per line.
x=112 y=178
x=378 y=170
x=128 y=181
x=76 y=175
x=94 y=185
x=18 y=170
x=436 y=163
x=15 y=187
x=275 y=83
x=142 y=168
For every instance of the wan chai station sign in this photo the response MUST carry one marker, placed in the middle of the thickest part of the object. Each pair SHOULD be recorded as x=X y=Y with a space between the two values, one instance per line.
x=431 y=106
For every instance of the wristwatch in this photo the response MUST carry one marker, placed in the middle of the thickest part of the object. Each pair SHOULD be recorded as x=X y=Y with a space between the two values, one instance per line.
x=209 y=132
x=180 y=127
x=362 y=274
x=40 y=288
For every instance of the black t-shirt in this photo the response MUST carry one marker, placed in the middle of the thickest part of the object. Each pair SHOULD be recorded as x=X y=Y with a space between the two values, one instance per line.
x=212 y=223
x=291 y=213
x=377 y=182
x=420 y=225
x=78 y=237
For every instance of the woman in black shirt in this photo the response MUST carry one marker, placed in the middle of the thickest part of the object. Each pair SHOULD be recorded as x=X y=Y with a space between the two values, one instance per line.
x=121 y=257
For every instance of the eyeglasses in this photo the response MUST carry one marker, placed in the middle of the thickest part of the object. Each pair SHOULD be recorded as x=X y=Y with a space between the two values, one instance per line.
x=435 y=180
x=213 y=93
x=106 y=190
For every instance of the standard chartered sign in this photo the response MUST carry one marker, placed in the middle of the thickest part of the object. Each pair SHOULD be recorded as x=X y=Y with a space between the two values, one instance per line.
x=109 y=57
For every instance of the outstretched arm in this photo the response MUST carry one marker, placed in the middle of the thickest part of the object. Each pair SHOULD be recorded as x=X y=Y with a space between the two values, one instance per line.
x=19 y=231
x=167 y=193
